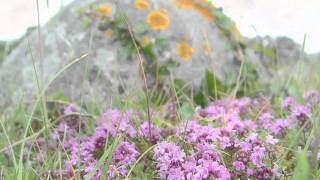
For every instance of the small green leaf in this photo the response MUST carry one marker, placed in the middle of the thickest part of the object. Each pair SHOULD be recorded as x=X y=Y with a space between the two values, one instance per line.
x=269 y=52
x=200 y=99
x=186 y=111
x=59 y=95
x=161 y=43
x=211 y=85
x=86 y=22
x=163 y=71
x=302 y=168
x=214 y=85
x=140 y=27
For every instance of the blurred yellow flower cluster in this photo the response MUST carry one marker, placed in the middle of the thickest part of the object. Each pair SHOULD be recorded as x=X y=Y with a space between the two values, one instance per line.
x=105 y=9
x=109 y=33
x=206 y=48
x=146 y=40
x=236 y=33
x=204 y=10
x=185 y=51
x=141 y=4
x=158 y=20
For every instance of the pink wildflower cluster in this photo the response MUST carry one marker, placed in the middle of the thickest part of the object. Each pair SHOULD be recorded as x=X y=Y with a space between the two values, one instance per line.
x=229 y=139
x=228 y=129
x=110 y=125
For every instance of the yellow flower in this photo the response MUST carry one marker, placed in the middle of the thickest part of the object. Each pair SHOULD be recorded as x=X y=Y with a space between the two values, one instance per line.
x=141 y=4
x=206 y=13
x=108 y=33
x=203 y=9
x=206 y=48
x=185 y=4
x=185 y=51
x=105 y=9
x=158 y=20
x=236 y=34
x=209 y=4
x=146 y=40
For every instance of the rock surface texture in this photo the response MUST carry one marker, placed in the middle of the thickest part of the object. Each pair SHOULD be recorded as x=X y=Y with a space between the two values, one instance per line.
x=176 y=38
x=191 y=33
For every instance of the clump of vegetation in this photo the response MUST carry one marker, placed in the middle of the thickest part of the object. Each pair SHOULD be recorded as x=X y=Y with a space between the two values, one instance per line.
x=218 y=131
x=228 y=139
x=7 y=46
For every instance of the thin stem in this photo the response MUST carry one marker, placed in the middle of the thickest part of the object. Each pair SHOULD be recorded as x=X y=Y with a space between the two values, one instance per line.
x=141 y=67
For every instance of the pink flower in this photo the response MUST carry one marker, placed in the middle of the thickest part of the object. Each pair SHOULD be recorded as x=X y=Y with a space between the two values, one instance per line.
x=287 y=102
x=271 y=140
x=69 y=109
x=238 y=165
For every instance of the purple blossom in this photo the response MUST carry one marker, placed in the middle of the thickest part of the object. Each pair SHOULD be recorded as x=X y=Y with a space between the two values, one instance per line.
x=279 y=126
x=287 y=102
x=312 y=97
x=169 y=158
x=117 y=122
x=217 y=171
x=193 y=170
x=206 y=152
x=89 y=168
x=257 y=156
x=213 y=111
x=271 y=140
x=250 y=172
x=155 y=132
x=242 y=156
x=301 y=113
x=227 y=140
x=195 y=132
x=99 y=137
x=263 y=174
x=125 y=153
x=69 y=109
x=175 y=173
x=242 y=104
x=265 y=119
x=238 y=165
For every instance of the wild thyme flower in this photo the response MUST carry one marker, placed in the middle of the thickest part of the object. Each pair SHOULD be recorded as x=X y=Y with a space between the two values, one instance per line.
x=287 y=103
x=69 y=109
x=238 y=165
x=280 y=126
x=265 y=120
x=312 y=97
x=196 y=133
x=155 y=132
x=117 y=122
x=271 y=140
x=301 y=113
x=217 y=171
x=258 y=153
x=227 y=143
x=170 y=158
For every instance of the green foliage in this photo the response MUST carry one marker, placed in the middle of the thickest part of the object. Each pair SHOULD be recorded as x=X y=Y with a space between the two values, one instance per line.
x=81 y=10
x=249 y=81
x=214 y=86
x=186 y=110
x=58 y=95
x=7 y=46
x=165 y=69
x=211 y=88
x=265 y=51
x=86 y=23
x=302 y=168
